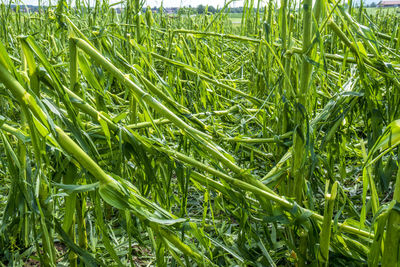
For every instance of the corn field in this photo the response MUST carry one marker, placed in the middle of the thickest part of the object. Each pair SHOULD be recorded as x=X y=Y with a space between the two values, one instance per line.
x=141 y=138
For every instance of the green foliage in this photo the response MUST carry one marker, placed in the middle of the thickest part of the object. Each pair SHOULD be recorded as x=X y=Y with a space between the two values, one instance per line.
x=140 y=138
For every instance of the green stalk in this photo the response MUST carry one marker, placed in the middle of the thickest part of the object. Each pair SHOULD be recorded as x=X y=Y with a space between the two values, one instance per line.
x=391 y=251
x=49 y=253
x=243 y=185
x=243 y=22
x=69 y=217
x=288 y=205
x=275 y=139
x=346 y=40
x=22 y=157
x=138 y=92
x=137 y=16
x=272 y=197
x=303 y=247
x=166 y=121
x=269 y=38
x=188 y=69
x=133 y=108
x=257 y=16
x=110 y=190
x=176 y=241
x=73 y=67
x=152 y=102
x=325 y=235
x=62 y=138
x=132 y=100
x=266 y=194
x=300 y=150
x=283 y=26
x=284 y=90
x=80 y=212
x=319 y=9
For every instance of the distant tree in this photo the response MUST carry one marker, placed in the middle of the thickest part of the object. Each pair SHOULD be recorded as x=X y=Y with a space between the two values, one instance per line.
x=211 y=9
x=372 y=4
x=201 y=9
x=237 y=10
x=187 y=10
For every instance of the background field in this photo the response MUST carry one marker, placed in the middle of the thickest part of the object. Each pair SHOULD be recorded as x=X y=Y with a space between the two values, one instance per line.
x=388 y=10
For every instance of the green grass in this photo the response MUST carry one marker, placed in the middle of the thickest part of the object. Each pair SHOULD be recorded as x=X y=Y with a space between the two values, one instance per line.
x=236 y=20
x=388 y=10
x=235 y=15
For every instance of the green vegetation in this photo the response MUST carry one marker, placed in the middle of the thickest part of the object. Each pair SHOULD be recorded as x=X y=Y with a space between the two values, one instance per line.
x=141 y=138
x=382 y=11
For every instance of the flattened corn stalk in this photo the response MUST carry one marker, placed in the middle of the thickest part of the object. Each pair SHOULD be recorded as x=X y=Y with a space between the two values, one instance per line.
x=72 y=148
x=108 y=184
